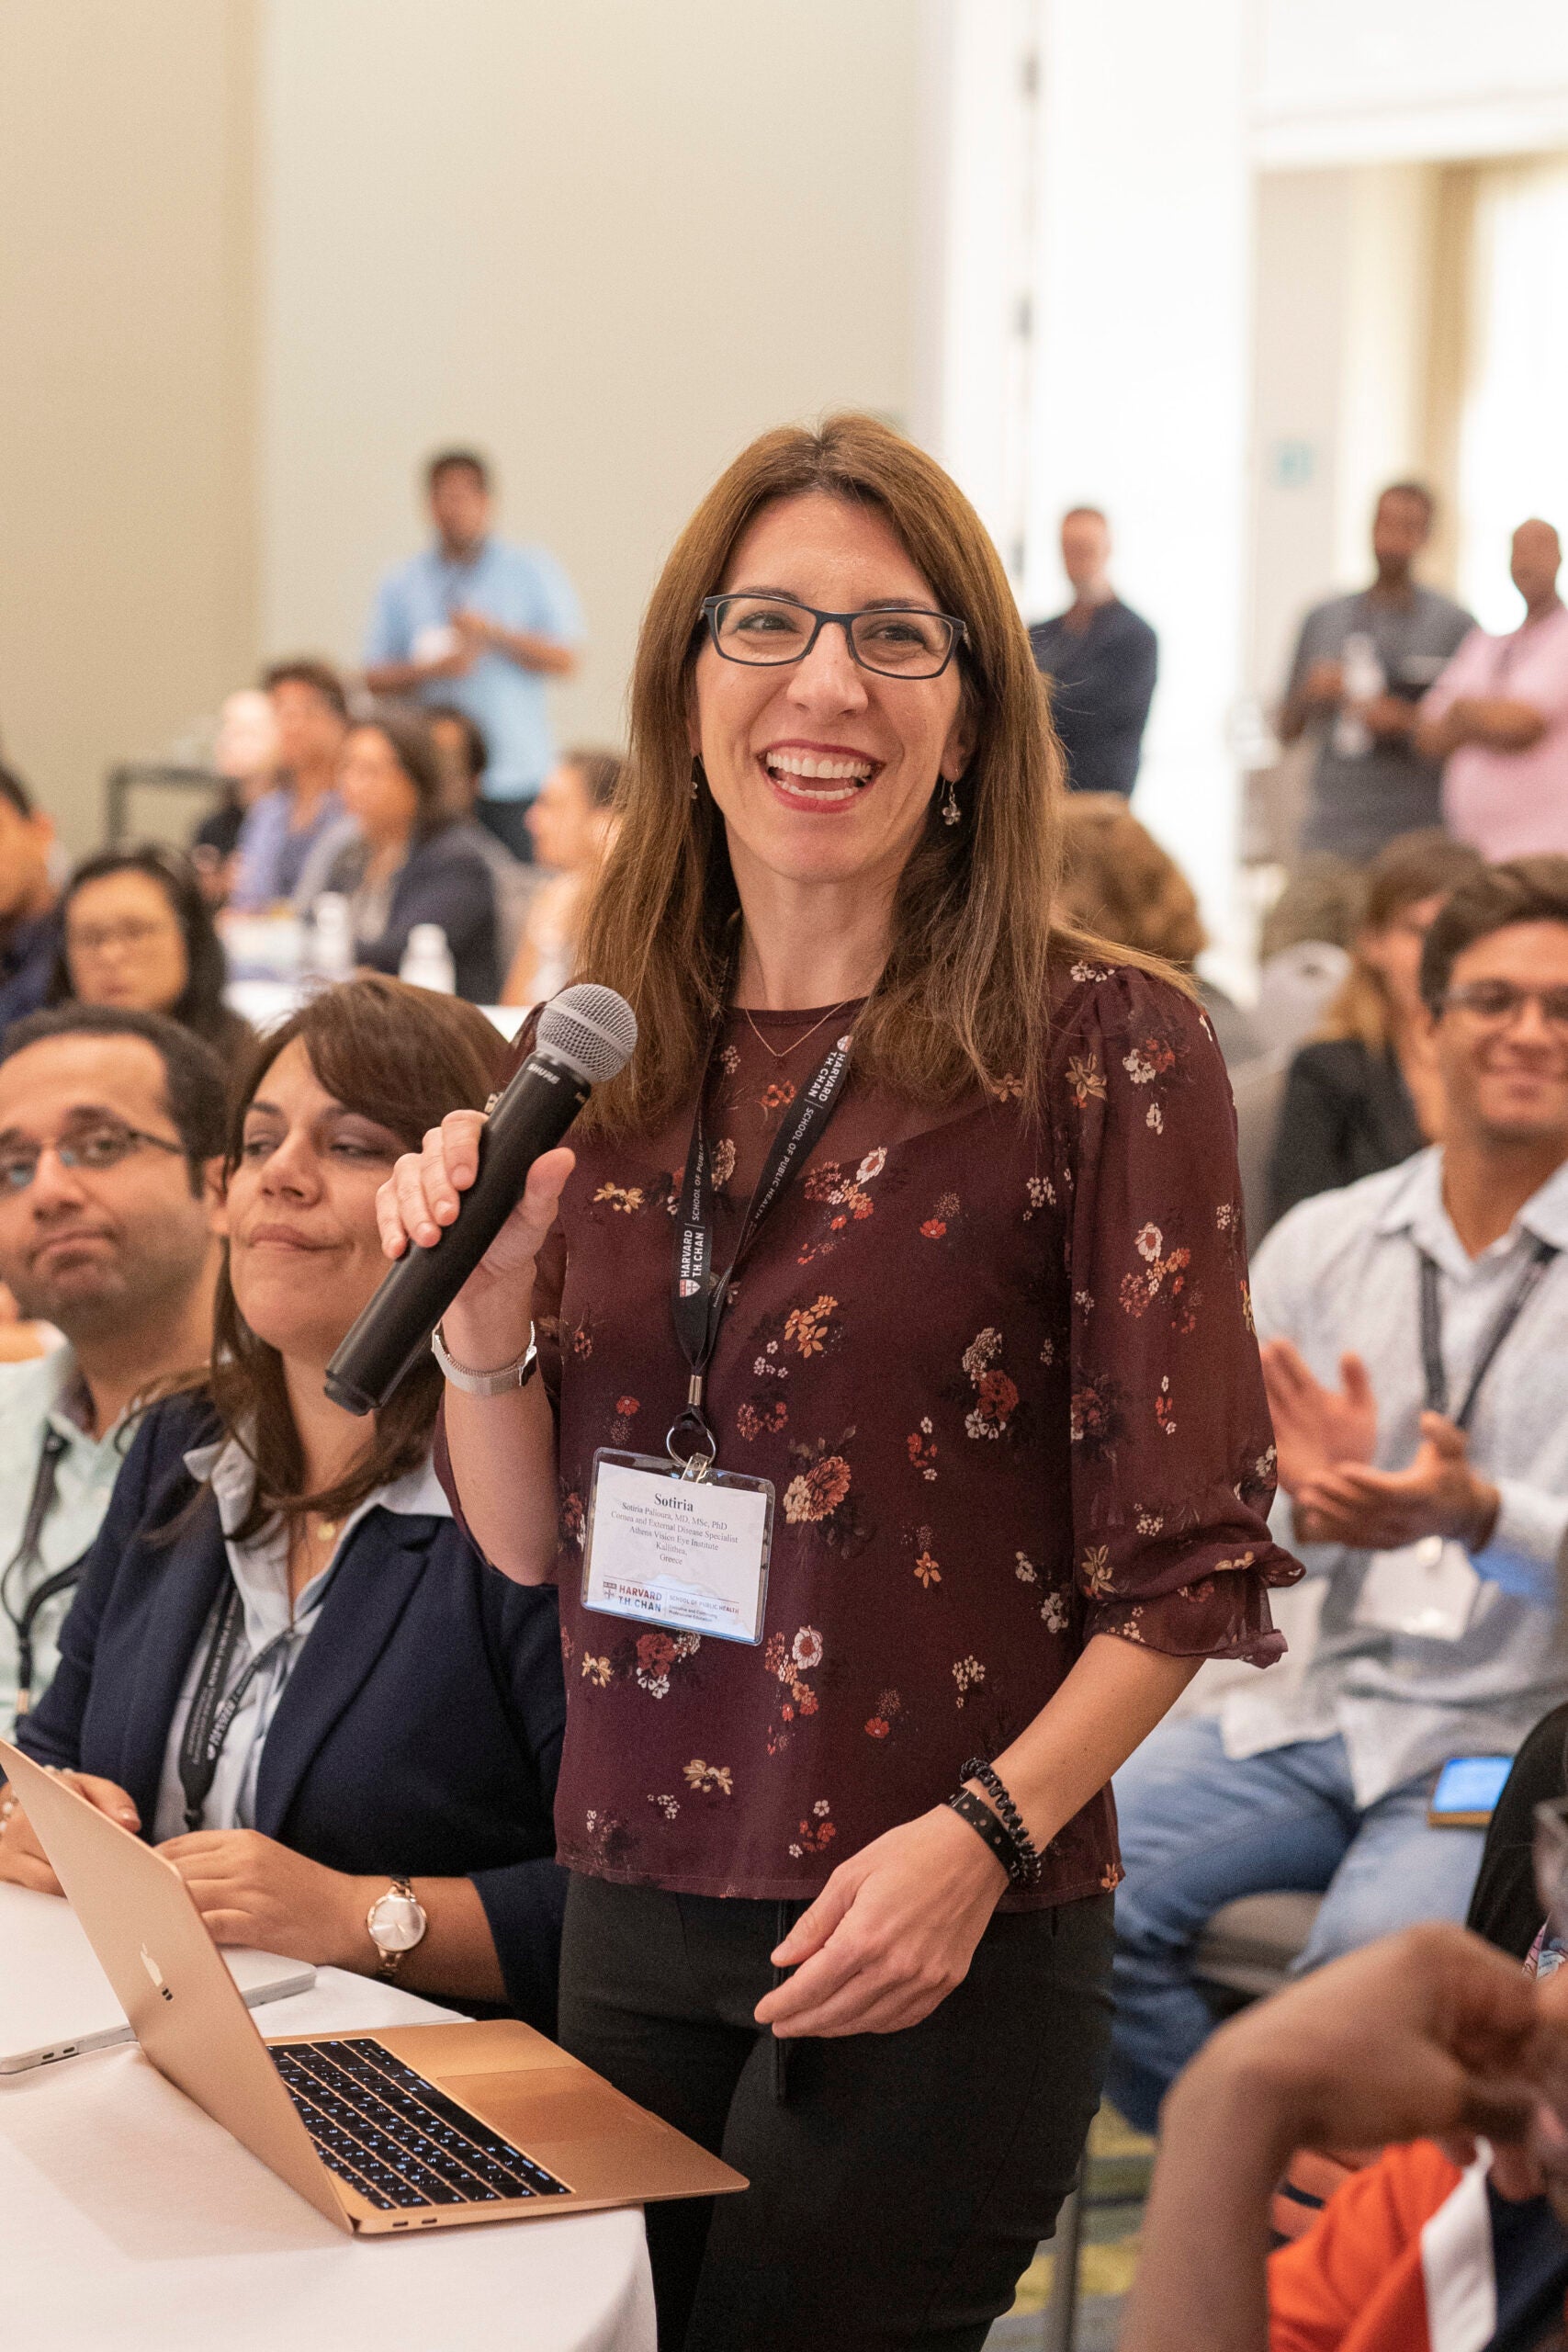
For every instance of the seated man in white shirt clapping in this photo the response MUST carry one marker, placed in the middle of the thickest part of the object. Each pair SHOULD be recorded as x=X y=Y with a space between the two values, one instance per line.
x=1414 y=1331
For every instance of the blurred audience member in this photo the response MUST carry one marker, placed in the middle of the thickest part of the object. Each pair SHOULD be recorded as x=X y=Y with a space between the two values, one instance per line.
x=1101 y=659
x=136 y=932
x=1303 y=946
x=570 y=822
x=110 y=1123
x=398 y=1706
x=1365 y=1094
x=245 y=754
x=1362 y=663
x=407 y=864
x=283 y=828
x=475 y=621
x=1117 y=880
x=461 y=749
x=29 y=916
x=1413 y=1329
x=1499 y=716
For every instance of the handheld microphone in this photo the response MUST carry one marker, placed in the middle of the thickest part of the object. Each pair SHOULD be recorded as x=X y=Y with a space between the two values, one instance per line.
x=585 y=1036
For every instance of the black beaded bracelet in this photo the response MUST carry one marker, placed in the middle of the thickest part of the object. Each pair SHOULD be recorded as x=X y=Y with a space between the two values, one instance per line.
x=1030 y=1861
x=984 y=1822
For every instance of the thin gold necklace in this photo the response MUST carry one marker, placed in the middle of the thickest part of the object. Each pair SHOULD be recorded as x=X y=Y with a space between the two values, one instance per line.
x=782 y=1053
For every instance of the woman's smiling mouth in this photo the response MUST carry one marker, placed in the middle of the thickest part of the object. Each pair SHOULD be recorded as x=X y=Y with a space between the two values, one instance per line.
x=819 y=778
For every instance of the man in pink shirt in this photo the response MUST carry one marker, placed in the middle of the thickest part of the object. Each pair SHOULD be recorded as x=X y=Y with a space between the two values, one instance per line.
x=1498 y=714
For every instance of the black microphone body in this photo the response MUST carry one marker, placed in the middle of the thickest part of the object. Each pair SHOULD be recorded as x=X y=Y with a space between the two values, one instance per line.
x=393 y=1331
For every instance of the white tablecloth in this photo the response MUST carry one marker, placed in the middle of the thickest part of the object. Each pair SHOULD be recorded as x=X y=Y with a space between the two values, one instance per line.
x=127 y=2219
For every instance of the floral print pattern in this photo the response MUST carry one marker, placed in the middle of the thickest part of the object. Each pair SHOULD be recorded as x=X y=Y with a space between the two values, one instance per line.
x=998 y=1373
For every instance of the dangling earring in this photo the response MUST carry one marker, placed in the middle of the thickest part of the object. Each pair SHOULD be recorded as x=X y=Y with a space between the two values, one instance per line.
x=951 y=811
x=698 y=776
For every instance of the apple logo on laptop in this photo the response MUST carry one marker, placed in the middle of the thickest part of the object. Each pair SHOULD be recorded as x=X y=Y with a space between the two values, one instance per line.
x=156 y=1973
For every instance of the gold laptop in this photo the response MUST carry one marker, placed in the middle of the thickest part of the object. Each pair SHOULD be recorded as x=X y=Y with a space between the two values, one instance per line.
x=420 y=2128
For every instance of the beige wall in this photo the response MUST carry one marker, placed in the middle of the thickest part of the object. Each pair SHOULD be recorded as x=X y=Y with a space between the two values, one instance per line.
x=259 y=256
x=609 y=243
x=127 y=570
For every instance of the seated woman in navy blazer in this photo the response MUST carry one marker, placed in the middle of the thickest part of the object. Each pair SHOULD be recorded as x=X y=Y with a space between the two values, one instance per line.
x=285 y=1664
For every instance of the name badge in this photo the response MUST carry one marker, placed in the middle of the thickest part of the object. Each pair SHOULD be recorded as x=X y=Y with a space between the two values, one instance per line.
x=1426 y=1589
x=687 y=1553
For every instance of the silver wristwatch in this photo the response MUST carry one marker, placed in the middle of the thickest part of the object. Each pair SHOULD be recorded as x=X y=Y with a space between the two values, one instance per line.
x=500 y=1383
x=396 y=1921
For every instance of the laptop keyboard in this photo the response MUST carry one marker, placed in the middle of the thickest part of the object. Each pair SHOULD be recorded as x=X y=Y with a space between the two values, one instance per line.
x=396 y=2139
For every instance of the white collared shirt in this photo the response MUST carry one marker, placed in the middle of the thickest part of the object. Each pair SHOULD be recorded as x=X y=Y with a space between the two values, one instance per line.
x=42 y=1394
x=1342 y=1272
x=260 y=1569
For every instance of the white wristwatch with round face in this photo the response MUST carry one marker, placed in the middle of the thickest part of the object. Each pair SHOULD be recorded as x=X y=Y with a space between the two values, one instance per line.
x=397 y=1921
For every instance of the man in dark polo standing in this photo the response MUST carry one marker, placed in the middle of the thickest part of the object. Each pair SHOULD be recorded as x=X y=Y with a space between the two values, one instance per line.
x=1100 y=659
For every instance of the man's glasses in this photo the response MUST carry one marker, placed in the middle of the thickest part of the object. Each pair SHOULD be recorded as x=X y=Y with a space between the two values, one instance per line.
x=896 y=640
x=91 y=1148
x=1495 y=1003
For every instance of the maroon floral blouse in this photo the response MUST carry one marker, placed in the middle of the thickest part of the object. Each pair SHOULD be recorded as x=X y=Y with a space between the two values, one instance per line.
x=1004 y=1382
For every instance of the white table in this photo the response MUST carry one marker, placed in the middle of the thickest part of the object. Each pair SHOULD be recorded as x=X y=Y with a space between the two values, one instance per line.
x=127 y=2218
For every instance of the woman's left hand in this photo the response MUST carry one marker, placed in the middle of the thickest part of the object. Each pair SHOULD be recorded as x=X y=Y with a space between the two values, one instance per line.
x=890 y=1935
x=251 y=1890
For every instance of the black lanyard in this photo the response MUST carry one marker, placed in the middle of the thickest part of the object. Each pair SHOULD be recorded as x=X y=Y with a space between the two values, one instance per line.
x=39 y=1504
x=698 y=1300
x=1513 y=1306
x=212 y=1709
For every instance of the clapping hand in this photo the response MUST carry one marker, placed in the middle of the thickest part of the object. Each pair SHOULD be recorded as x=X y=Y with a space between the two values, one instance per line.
x=1441 y=1493
x=1316 y=1430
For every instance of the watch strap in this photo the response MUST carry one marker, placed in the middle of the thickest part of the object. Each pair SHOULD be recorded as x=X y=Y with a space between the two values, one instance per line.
x=389 y=1963
x=499 y=1383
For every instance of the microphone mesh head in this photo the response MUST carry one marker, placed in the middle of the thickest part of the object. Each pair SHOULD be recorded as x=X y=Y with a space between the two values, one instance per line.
x=592 y=1028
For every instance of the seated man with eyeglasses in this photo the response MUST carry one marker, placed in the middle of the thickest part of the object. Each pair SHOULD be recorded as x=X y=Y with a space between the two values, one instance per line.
x=109 y=1121
x=1414 y=1331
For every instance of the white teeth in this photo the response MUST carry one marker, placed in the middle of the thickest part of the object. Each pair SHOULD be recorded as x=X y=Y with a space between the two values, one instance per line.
x=803 y=764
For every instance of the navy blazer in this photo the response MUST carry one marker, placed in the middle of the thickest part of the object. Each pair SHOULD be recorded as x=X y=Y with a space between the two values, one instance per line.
x=444 y=880
x=419 y=1732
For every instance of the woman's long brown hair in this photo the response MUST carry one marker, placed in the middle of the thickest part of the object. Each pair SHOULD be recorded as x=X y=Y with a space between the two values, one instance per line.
x=403 y=1058
x=962 y=1001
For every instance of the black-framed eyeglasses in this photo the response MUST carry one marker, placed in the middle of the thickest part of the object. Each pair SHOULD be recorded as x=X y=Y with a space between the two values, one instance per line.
x=1494 y=1003
x=93 y=1148
x=896 y=640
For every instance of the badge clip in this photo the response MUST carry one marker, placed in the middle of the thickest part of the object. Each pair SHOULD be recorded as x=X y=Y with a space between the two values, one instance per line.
x=692 y=1422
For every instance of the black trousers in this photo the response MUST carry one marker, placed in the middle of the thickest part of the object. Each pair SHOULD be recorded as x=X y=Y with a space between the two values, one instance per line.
x=899 y=2182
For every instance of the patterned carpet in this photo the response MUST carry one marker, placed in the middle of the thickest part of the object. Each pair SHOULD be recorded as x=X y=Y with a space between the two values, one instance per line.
x=1119 y=2160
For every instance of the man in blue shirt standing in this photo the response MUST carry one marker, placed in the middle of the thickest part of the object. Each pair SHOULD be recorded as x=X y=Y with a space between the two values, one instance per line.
x=476 y=622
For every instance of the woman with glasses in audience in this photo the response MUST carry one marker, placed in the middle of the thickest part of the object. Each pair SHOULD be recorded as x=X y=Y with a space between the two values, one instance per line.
x=285 y=1664
x=1364 y=1093
x=408 y=865
x=136 y=932
x=913 y=1221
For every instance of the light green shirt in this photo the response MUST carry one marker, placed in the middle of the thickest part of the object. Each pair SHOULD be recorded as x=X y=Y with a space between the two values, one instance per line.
x=46 y=1392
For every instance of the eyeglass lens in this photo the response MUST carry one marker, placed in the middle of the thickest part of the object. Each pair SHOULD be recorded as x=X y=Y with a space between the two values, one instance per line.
x=92 y=939
x=1500 y=1000
x=95 y=1148
x=901 y=642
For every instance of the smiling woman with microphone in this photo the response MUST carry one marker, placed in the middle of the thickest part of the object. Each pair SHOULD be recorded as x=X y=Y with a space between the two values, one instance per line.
x=898 y=1444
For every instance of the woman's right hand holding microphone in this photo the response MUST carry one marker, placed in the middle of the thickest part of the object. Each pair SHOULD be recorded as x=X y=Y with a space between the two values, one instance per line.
x=488 y=1323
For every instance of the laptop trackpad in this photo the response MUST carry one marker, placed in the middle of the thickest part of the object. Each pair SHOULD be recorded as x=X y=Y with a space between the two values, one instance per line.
x=551 y=2103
